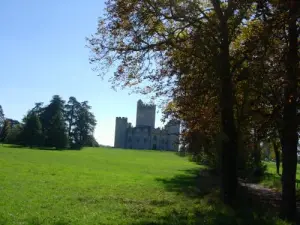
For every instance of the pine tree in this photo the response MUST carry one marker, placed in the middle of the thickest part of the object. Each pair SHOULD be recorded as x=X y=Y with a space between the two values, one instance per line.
x=84 y=125
x=71 y=115
x=56 y=133
x=54 y=128
x=32 y=132
x=5 y=130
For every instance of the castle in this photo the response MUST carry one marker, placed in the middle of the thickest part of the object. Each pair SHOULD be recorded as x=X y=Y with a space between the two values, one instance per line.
x=145 y=135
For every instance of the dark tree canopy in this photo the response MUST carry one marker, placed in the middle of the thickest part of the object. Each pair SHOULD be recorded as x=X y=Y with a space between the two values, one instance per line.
x=56 y=125
x=5 y=130
x=32 y=130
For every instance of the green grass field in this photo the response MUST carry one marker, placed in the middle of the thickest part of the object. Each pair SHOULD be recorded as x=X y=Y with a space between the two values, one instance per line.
x=273 y=180
x=107 y=186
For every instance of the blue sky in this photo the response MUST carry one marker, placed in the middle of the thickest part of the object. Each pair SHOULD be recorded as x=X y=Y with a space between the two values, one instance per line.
x=42 y=53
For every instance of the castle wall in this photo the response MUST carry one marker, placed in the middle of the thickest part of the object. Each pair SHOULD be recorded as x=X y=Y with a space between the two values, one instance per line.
x=145 y=115
x=140 y=137
x=120 y=132
x=145 y=135
x=159 y=139
x=173 y=130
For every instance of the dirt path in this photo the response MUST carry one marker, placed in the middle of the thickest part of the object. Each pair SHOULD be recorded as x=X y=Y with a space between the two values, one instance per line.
x=265 y=197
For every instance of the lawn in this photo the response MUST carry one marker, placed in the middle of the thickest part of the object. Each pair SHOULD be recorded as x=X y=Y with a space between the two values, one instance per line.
x=273 y=180
x=108 y=186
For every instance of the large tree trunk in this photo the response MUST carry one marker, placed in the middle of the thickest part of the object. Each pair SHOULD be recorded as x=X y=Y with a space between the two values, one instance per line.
x=229 y=146
x=290 y=136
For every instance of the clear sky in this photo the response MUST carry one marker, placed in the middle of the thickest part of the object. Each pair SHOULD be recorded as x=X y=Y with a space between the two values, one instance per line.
x=43 y=53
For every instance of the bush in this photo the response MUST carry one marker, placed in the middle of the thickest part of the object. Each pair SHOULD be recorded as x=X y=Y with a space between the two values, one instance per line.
x=14 y=135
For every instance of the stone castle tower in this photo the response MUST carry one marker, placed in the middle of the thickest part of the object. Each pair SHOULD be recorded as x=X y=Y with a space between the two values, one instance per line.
x=145 y=114
x=144 y=135
x=120 y=132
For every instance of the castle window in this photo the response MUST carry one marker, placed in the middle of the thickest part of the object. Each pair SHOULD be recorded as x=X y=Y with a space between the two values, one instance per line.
x=145 y=140
x=129 y=139
x=154 y=138
x=138 y=140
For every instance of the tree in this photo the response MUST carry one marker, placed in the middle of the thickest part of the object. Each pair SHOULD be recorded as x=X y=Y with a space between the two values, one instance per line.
x=56 y=133
x=141 y=35
x=290 y=124
x=2 y=118
x=38 y=109
x=71 y=113
x=84 y=125
x=276 y=147
x=5 y=130
x=14 y=135
x=32 y=131
x=91 y=141
x=53 y=123
x=81 y=123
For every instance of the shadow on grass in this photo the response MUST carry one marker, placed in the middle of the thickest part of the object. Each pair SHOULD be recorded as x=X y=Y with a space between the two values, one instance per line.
x=193 y=183
x=206 y=207
x=34 y=148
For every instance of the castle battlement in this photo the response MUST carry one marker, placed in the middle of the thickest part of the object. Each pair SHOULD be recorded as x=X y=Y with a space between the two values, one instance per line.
x=121 y=118
x=141 y=104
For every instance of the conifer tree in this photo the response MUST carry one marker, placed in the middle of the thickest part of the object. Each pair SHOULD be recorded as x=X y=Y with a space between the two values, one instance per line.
x=32 y=132
x=53 y=122
x=5 y=130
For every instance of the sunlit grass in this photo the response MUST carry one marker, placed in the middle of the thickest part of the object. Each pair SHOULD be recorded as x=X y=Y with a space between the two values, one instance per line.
x=273 y=180
x=109 y=186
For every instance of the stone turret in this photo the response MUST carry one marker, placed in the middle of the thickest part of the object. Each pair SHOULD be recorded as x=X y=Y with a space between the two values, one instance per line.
x=173 y=131
x=120 y=132
x=145 y=114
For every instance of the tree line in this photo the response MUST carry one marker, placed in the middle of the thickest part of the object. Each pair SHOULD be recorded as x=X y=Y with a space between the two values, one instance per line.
x=57 y=125
x=229 y=70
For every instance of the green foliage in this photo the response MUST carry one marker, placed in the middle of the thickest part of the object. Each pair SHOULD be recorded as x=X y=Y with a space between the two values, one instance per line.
x=54 y=126
x=53 y=122
x=32 y=132
x=71 y=115
x=81 y=123
x=5 y=130
x=14 y=135
x=84 y=125
x=91 y=142
x=273 y=180
x=56 y=132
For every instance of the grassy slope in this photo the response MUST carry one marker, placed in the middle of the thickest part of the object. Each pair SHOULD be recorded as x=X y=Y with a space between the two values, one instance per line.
x=104 y=186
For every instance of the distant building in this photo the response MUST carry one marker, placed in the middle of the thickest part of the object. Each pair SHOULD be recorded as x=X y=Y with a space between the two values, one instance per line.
x=145 y=135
